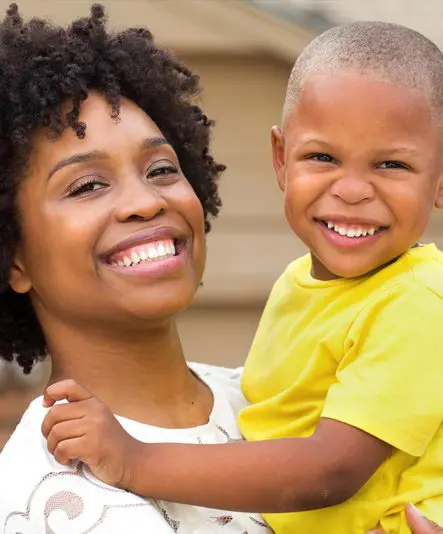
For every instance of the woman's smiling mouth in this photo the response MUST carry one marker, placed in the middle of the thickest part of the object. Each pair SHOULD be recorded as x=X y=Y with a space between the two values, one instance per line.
x=153 y=252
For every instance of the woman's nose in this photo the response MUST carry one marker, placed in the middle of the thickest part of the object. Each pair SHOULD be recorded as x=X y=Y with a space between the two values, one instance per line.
x=139 y=200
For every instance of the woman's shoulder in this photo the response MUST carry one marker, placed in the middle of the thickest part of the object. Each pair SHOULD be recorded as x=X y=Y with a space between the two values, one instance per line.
x=227 y=379
x=26 y=439
x=39 y=495
x=224 y=382
x=224 y=375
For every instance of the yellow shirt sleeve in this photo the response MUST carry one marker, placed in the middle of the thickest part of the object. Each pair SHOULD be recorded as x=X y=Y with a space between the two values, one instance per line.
x=390 y=381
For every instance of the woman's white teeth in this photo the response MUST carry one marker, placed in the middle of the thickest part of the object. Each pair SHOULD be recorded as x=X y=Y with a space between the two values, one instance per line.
x=151 y=251
x=352 y=232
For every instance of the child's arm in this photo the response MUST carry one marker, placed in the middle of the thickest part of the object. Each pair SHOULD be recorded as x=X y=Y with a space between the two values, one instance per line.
x=284 y=475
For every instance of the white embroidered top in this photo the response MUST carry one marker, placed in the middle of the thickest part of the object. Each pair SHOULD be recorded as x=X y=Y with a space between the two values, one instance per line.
x=40 y=496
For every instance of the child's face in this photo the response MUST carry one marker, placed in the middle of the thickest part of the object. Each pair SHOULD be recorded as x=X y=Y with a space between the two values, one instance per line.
x=360 y=164
x=87 y=205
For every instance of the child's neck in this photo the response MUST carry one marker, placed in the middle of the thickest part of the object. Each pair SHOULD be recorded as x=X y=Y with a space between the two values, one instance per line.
x=320 y=272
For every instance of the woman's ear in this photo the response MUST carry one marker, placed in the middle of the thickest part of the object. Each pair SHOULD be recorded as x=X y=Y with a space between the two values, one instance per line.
x=278 y=155
x=18 y=276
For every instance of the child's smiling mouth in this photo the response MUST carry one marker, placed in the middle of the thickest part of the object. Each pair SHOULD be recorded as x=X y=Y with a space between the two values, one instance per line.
x=350 y=233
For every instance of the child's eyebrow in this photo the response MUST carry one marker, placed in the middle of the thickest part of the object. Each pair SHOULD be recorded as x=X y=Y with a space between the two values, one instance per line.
x=393 y=149
x=405 y=149
x=308 y=140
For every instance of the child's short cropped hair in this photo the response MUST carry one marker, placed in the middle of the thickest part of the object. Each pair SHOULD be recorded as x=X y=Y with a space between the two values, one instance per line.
x=377 y=49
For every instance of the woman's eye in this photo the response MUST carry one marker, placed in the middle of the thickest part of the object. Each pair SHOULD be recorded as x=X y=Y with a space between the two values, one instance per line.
x=163 y=171
x=393 y=165
x=85 y=187
x=319 y=156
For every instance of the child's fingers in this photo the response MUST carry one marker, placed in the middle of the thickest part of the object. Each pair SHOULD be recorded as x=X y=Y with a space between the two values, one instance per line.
x=47 y=401
x=63 y=412
x=419 y=524
x=66 y=430
x=65 y=390
x=69 y=450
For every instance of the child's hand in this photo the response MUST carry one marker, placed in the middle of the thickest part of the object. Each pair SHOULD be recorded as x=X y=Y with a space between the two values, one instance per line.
x=417 y=523
x=85 y=429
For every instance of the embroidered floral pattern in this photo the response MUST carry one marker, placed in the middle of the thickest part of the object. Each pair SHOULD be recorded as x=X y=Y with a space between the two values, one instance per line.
x=62 y=503
x=73 y=501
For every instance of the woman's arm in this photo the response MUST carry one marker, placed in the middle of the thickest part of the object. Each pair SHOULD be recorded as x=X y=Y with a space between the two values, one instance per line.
x=284 y=475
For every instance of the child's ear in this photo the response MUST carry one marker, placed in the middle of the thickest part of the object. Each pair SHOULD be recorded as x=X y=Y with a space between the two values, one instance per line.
x=278 y=155
x=18 y=277
x=439 y=197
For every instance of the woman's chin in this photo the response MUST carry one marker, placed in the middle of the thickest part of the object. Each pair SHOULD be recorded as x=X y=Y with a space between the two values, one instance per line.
x=158 y=308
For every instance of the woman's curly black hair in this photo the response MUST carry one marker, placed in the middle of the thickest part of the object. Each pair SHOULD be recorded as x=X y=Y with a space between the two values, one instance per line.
x=42 y=67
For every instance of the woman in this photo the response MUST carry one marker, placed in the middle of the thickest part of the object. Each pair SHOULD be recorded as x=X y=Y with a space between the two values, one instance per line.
x=105 y=193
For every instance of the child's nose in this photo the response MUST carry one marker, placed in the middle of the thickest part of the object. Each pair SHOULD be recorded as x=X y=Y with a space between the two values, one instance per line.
x=352 y=189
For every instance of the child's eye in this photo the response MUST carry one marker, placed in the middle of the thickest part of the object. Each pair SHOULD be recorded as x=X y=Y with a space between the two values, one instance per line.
x=83 y=187
x=320 y=156
x=393 y=165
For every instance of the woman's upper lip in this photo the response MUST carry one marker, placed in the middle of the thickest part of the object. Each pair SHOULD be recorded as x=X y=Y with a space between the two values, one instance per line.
x=145 y=236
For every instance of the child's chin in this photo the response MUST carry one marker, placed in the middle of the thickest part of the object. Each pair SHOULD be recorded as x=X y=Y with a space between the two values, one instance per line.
x=351 y=269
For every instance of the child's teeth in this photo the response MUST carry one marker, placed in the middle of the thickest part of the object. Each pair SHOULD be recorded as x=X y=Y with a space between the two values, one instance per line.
x=351 y=232
x=127 y=261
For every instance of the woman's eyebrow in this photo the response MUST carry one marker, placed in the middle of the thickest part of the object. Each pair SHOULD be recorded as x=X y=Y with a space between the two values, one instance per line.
x=154 y=142
x=149 y=143
x=76 y=158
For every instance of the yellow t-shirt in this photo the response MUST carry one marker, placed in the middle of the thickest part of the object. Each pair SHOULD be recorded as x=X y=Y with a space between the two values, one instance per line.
x=367 y=352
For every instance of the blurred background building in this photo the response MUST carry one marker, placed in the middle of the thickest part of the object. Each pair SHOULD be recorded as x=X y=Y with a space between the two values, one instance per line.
x=243 y=50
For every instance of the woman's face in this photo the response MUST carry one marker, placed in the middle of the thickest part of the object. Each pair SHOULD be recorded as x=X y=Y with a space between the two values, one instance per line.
x=112 y=231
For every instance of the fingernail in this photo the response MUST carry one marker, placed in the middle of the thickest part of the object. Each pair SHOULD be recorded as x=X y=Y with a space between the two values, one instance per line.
x=415 y=510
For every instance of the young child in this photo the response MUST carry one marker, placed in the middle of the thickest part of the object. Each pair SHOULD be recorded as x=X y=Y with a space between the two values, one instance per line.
x=345 y=375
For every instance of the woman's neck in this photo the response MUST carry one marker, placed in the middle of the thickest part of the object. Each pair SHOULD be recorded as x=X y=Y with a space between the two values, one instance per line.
x=139 y=375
